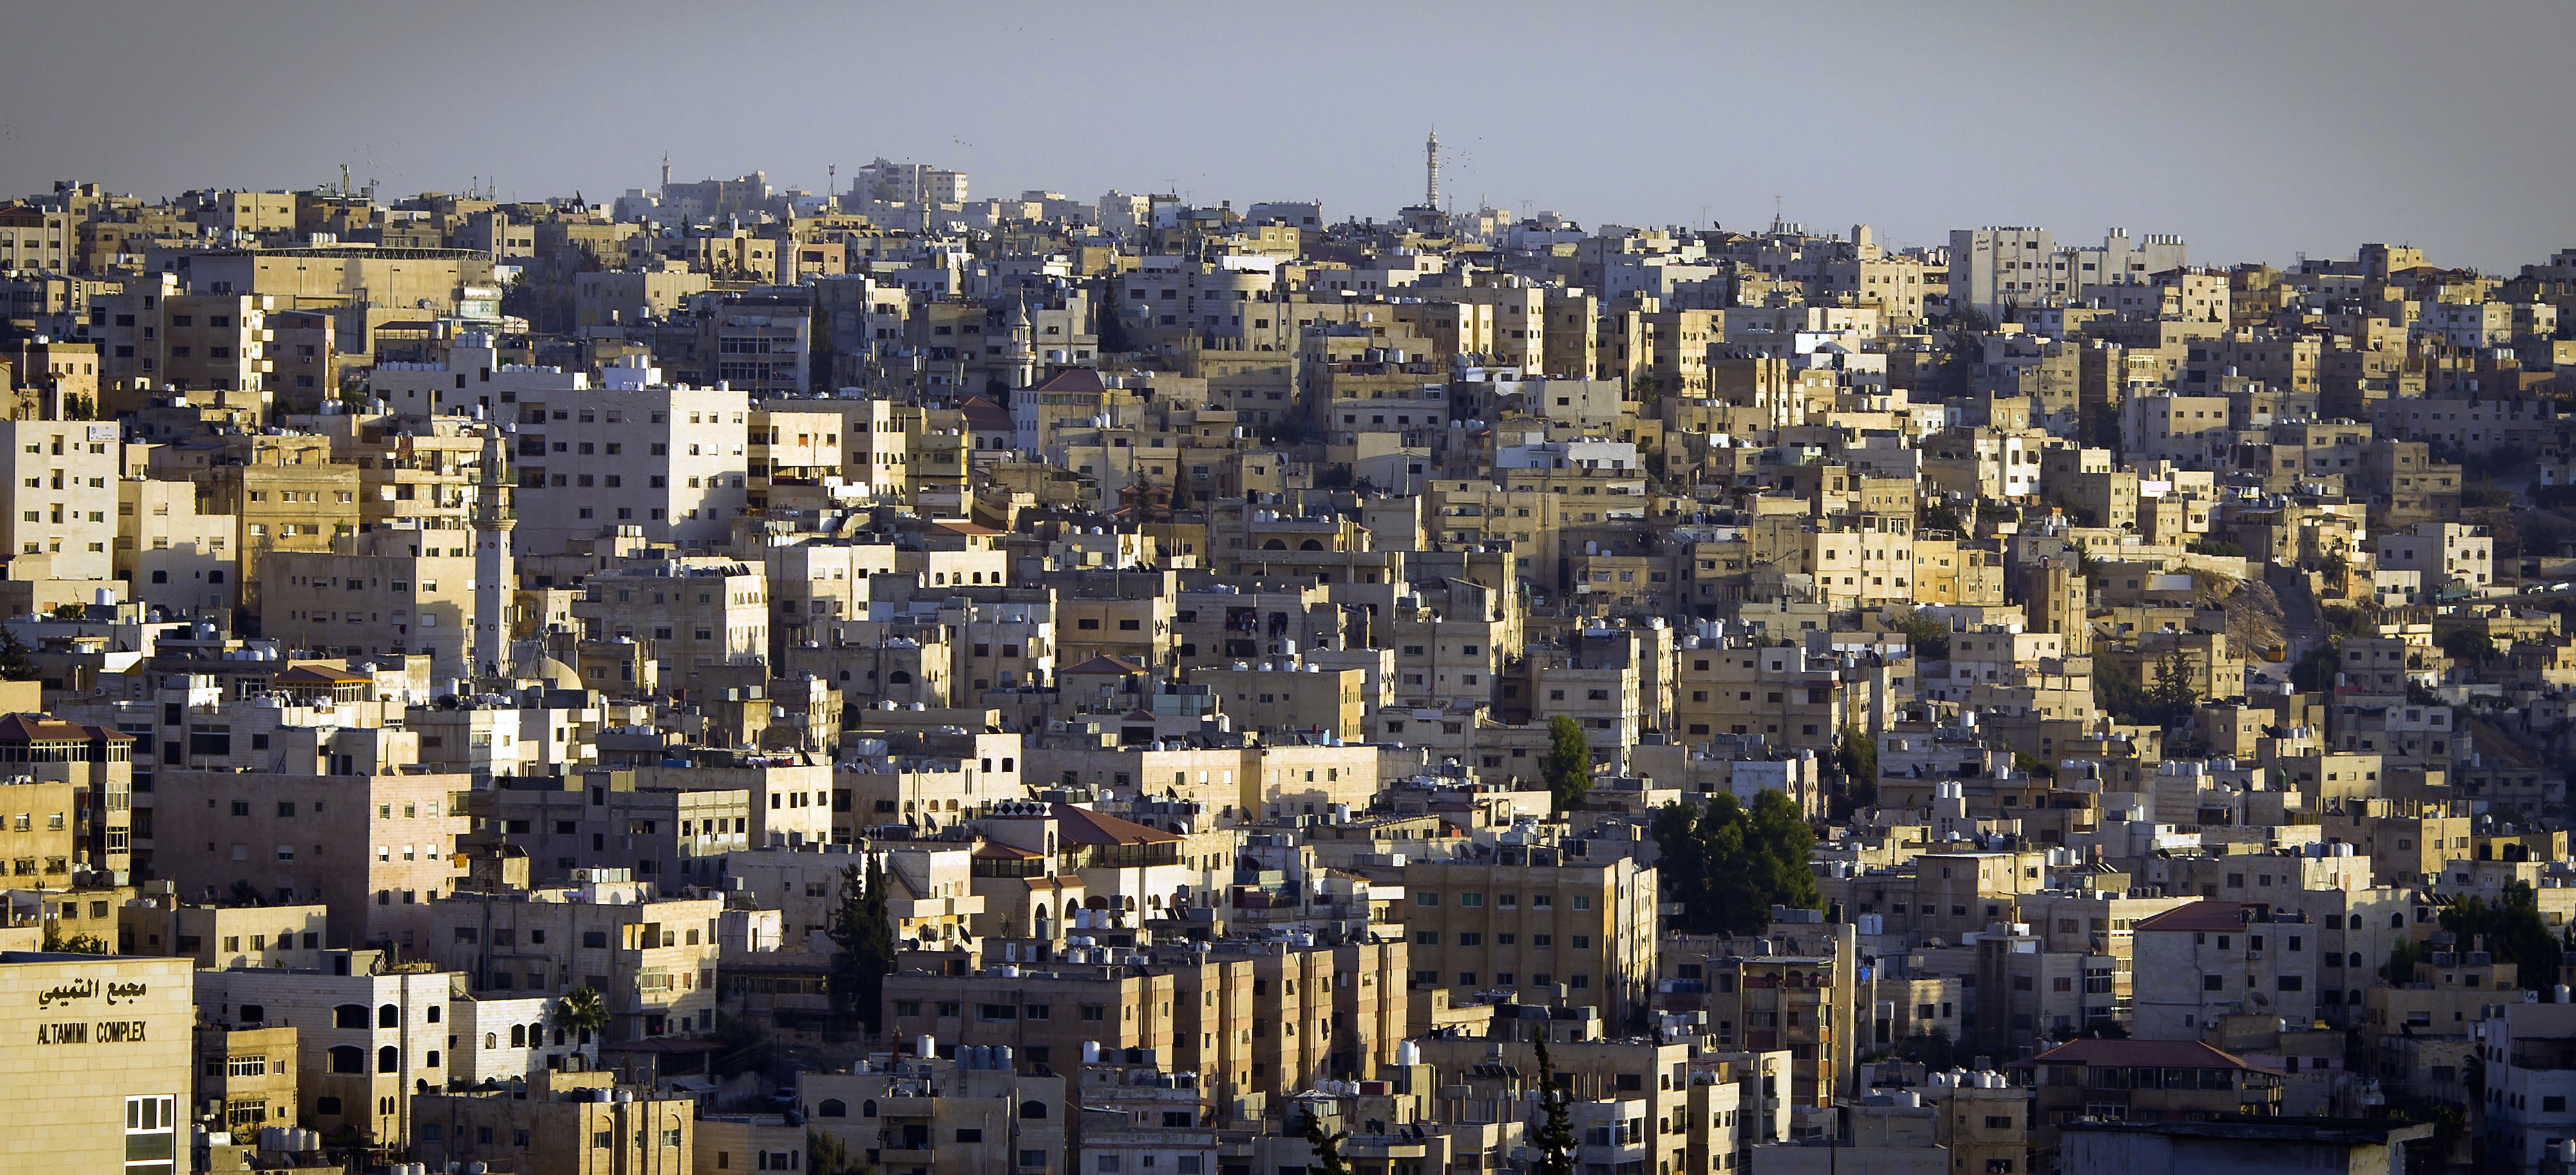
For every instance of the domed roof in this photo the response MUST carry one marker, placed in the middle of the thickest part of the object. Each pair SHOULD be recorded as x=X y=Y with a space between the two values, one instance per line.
x=548 y=670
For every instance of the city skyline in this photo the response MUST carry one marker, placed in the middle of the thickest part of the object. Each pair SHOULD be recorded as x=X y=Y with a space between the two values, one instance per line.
x=2256 y=136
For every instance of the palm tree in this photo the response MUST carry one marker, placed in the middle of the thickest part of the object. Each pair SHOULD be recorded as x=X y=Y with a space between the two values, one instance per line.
x=582 y=1010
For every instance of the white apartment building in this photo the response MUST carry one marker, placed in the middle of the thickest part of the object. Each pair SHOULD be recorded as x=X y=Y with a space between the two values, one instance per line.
x=2021 y=265
x=667 y=460
x=62 y=479
x=2442 y=552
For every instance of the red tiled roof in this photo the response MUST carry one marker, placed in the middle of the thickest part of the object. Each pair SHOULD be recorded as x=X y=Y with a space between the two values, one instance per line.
x=2202 y=915
x=320 y=675
x=1082 y=826
x=1104 y=663
x=1072 y=379
x=983 y=415
x=28 y=728
x=2161 y=1054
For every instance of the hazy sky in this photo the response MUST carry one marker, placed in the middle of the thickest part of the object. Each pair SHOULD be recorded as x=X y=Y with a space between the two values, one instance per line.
x=2255 y=130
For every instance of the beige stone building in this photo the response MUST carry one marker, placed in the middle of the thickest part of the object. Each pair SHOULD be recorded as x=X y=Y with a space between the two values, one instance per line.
x=365 y=1033
x=110 y=1037
x=373 y=849
x=248 y=1070
x=1550 y=929
x=652 y=958
x=570 y=1123
x=62 y=514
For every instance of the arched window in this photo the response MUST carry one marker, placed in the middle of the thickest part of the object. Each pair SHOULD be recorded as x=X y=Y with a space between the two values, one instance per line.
x=1033 y=1109
x=491 y=1040
x=868 y=1108
x=388 y=1059
x=559 y=1036
x=1310 y=545
x=518 y=1036
x=2356 y=921
x=898 y=677
x=832 y=1108
x=347 y=1058
x=1274 y=545
x=2397 y=921
x=388 y=1016
x=2354 y=961
x=430 y=1013
x=349 y=1016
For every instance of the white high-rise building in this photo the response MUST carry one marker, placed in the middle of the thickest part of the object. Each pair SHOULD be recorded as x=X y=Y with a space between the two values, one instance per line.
x=668 y=460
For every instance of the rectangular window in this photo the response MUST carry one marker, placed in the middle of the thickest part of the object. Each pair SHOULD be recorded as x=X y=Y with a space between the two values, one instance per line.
x=150 y=1136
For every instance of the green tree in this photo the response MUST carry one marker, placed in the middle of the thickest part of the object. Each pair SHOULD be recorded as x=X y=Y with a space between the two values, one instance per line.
x=2172 y=696
x=2512 y=928
x=1327 y=1147
x=16 y=662
x=1568 y=766
x=1930 y=635
x=865 y=955
x=1553 y=1137
x=583 y=1011
x=827 y=1155
x=1935 y=1051
x=2399 y=970
x=1726 y=865
x=1855 y=761
x=2315 y=669
x=78 y=944
x=2468 y=644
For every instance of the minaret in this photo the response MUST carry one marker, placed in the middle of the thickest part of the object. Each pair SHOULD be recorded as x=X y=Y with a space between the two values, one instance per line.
x=666 y=175
x=495 y=578
x=1021 y=355
x=1431 y=170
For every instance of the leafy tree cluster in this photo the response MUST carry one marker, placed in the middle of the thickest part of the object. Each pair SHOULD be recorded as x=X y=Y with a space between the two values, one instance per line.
x=1929 y=634
x=2315 y=669
x=2468 y=644
x=863 y=939
x=1727 y=864
x=1568 y=766
x=1940 y=516
x=2350 y=619
x=17 y=663
x=2167 y=701
x=2399 y=970
x=78 y=944
x=1935 y=1051
x=1855 y=764
x=2512 y=928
